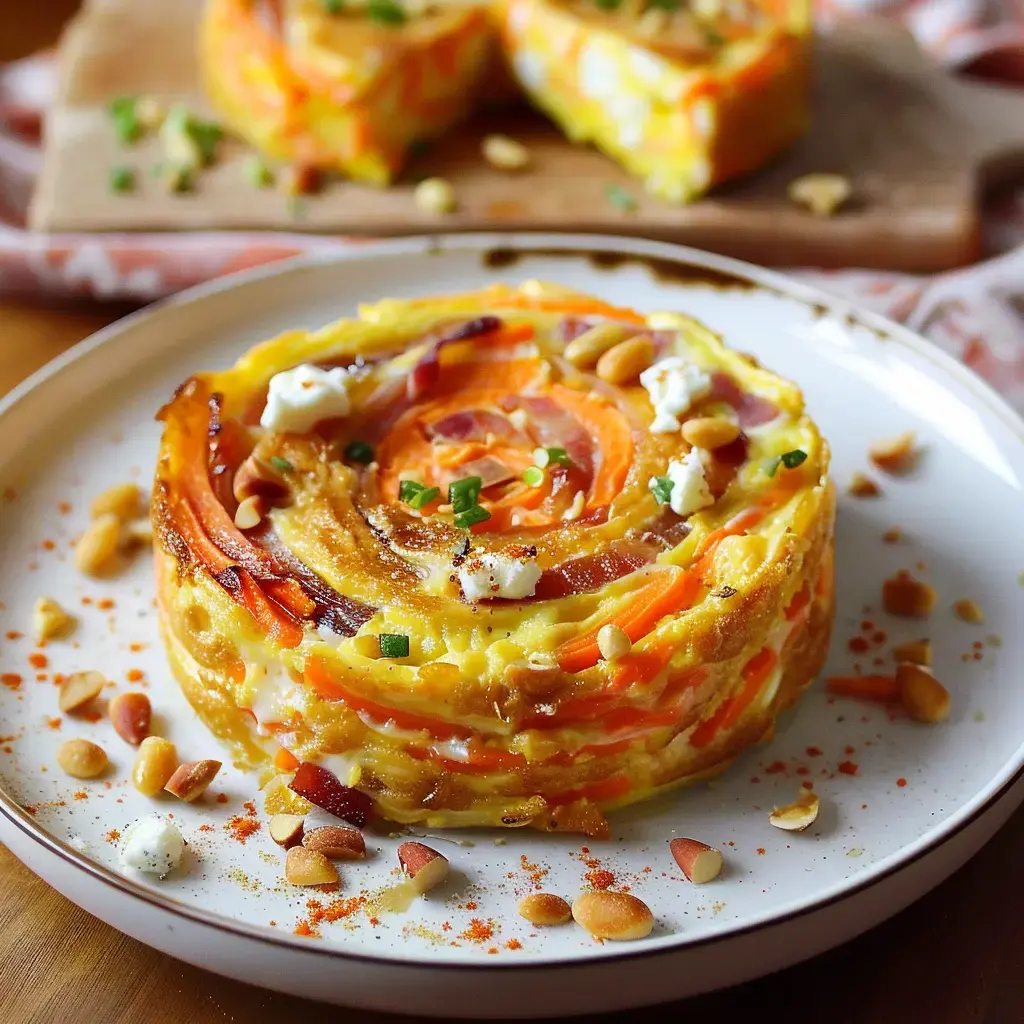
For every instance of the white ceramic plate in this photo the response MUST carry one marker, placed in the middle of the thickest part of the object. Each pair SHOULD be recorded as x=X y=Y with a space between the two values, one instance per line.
x=86 y=422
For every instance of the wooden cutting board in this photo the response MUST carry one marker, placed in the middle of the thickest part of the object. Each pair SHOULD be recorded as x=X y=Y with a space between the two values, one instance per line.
x=917 y=144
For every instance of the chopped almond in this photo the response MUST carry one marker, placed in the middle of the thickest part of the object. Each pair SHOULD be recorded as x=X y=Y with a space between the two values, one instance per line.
x=893 y=536
x=307 y=867
x=798 y=815
x=862 y=486
x=698 y=861
x=916 y=652
x=50 y=621
x=895 y=454
x=968 y=610
x=924 y=697
x=79 y=689
x=907 y=597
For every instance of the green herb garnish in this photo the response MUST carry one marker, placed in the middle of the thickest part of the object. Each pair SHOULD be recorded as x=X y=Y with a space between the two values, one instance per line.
x=464 y=494
x=472 y=516
x=387 y=12
x=334 y=6
x=416 y=495
x=620 y=198
x=122 y=179
x=661 y=488
x=127 y=125
x=788 y=459
x=534 y=476
x=394 y=645
x=281 y=464
x=558 y=455
x=179 y=179
x=359 y=451
x=257 y=172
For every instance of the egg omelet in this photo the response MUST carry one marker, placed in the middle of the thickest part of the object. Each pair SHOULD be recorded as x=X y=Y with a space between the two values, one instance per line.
x=514 y=557
x=684 y=96
x=349 y=87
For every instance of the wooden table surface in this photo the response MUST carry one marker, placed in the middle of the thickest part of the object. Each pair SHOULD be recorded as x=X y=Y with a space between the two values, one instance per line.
x=955 y=957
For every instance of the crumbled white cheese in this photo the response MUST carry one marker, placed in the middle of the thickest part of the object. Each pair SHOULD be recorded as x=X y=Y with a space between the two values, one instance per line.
x=674 y=384
x=300 y=398
x=598 y=75
x=530 y=69
x=690 y=490
x=511 y=574
x=154 y=845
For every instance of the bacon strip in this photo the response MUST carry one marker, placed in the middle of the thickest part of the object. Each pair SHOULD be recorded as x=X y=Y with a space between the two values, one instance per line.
x=427 y=371
x=751 y=410
x=475 y=425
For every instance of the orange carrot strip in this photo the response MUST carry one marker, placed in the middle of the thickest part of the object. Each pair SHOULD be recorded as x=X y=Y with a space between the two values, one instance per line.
x=667 y=592
x=754 y=673
x=641 y=666
x=598 y=793
x=285 y=760
x=878 y=688
x=292 y=596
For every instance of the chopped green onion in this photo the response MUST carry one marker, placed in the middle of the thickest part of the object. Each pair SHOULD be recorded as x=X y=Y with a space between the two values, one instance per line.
x=472 y=516
x=788 y=459
x=408 y=489
x=257 y=172
x=464 y=494
x=281 y=464
x=122 y=179
x=394 y=645
x=178 y=179
x=359 y=451
x=207 y=136
x=560 y=456
x=620 y=198
x=126 y=122
x=661 y=488
x=334 y=6
x=387 y=12
x=424 y=497
x=713 y=38
x=534 y=476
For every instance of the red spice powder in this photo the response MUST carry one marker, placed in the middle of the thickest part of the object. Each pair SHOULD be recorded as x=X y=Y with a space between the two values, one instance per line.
x=848 y=767
x=55 y=723
x=11 y=680
x=374 y=921
x=207 y=828
x=600 y=879
x=241 y=828
x=879 y=636
x=849 y=750
x=775 y=767
x=29 y=808
x=48 y=545
x=136 y=647
x=80 y=794
x=901 y=783
x=303 y=928
x=112 y=836
x=134 y=675
x=754 y=779
x=535 y=872
x=37 y=660
x=64 y=508
x=513 y=944
x=13 y=634
x=478 y=930
x=106 y=603
x=471 y=905
x=803 y=770
x=222 y=798
x=336 y=910
x=858 y=645
x=250 y=808
x=41 y=677
x=493 y=950
x=867 y=626
x=761 y=851
x=86 y=600
x=814 y=751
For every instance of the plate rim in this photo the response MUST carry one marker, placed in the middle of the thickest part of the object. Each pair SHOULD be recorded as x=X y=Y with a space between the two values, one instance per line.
x=574 y=246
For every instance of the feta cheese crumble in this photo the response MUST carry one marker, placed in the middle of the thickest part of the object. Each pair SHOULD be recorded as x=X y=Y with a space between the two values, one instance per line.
x=674 y=384
x=300 y=398
x=690 y=491
x=511 y=574
x=153 y=844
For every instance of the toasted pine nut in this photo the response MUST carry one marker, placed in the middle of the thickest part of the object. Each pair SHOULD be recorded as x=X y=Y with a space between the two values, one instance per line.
x=95 y=550
x=308 y=867
x=627 y=360
x=917 y=652
x=710 y=432
x=613 y=642
x=82 y=759
x=249 y=512
x=50 y=621
x=895 y=454
x=155 y=763
x=78 y=689
x=862 y=486
x=544 y=909
x=121 y=500
x=968 y=610
x=924 y=697
x=904 y=596
x=585 y=350
x=613 y=915
x=435 y=195
x=504 y=153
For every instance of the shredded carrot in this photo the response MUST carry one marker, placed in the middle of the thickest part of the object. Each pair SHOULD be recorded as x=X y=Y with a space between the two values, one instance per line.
x=292 y=596
x=285 y=760
x=641 y=666
x=668 y=591
x=754 y=673
x=600 y=792
x=799 y=602
x=880 y=688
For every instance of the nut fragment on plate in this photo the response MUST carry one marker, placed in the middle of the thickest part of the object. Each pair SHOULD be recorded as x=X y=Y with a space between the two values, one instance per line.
x=435 y=195
x=504 y=153
x=249 y=513
x=698 y=861
x=122 y=500
x=98 y=546
x=625 y=361
x=917 y=652
x=191 y=779
x=307 y=867
x=613 y=642
x=131 y=714
x=544 y=909
x=924 y=697
x=154 y=765
x=907 y=597
x=584 y=351
x=798 y=815
x=968 y=610
x=286 y=829
x=895 y=454
x=82 y=759
x=336 y=842
x=50 y=621
x=710 y=432
x=862 y=486
x=425 y=867
x=822 y=194
x=613 y=915
x=79 y=689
